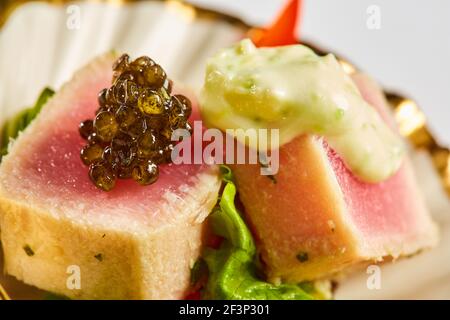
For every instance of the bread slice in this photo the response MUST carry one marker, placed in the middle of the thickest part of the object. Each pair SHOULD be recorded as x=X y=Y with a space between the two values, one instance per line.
x=131 y=243
x=315 y=219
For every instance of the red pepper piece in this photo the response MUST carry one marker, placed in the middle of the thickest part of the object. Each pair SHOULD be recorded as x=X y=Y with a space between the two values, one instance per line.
x=282 y=31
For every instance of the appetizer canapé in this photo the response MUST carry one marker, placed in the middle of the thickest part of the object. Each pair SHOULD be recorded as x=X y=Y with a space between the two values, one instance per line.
x=344 y=193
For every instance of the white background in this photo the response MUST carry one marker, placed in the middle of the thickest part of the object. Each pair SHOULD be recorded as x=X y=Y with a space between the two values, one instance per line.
x=410 y=53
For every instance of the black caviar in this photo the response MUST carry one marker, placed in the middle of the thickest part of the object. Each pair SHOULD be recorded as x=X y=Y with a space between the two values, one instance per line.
x=130 y=134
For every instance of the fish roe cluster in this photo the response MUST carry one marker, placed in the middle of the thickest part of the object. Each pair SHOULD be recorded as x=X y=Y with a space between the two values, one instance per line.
x=130 y=135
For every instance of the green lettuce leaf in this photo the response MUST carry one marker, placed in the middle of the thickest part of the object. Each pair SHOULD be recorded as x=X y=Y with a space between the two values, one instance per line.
x=20 y=121
x=232 y=268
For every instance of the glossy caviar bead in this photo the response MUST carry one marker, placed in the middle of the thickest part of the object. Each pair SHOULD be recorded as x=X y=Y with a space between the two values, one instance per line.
x=167 y=152
x=124 y=172
x=150 y=102
x=126 y=92
x=189 y=128
x=145 y=172
x=138 y=67
x=157 y=121
x=109 y=96
x=186 y=105
x=155 y=76
x=105 y=125
x=122 y=63
x=94 y=138
x=101 y=109
x=158 y=157
x=121 y=141
x=124 y=76
x=166 y=97
x=91 y=153
x=166 y=133
x=138 y=128
x=102 y=176
x=86 y=128
x=107 y=155
x=126 y=116
x=113 y=108
x=177 y=122
x=147 y=145
x=120 y=66
x=102 y=98
x=124 y=149
x=168 y=84
x=120 y=91
x=141 y=63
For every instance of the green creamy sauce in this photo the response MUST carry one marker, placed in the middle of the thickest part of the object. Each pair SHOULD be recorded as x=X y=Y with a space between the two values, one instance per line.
x=292 y=89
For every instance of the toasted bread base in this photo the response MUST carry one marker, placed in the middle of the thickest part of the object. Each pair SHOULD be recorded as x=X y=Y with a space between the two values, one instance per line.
x=46 y=251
